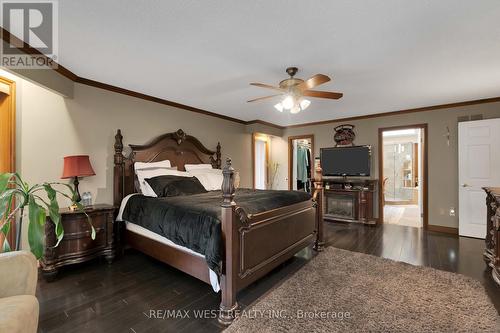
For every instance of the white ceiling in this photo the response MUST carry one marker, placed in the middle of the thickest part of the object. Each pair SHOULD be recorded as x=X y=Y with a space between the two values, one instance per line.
x=383 y=55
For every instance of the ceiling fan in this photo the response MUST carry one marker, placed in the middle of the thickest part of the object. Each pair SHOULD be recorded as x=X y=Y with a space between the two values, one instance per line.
x=294 y=90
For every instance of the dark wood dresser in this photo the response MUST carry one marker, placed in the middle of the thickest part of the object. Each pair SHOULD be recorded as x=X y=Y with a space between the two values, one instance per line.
x=77 y=245
x=492 y=251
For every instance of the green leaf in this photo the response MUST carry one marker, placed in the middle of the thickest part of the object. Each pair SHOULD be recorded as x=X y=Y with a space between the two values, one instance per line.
x=80 y=207
x=65 y=195
x=6 y=246
x=5 y=204
x=4 y=181
x=70 y=188
x=36 y=234
x=5 y=231
x=53 y=208
x=7 y=209
x=22 y=183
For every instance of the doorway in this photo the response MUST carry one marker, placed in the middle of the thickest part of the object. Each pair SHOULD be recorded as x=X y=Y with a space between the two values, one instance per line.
x=403 y=175
x=301 y=162
x=7 y=137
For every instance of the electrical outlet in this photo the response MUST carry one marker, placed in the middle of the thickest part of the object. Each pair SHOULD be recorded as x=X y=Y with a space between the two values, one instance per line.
x=452 y=211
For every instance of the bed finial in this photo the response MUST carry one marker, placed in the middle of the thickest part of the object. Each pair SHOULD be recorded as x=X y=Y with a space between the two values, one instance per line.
x=180 y=136
x=228 y=188
x=118 y=147
x=218 y=161
x=118 y=174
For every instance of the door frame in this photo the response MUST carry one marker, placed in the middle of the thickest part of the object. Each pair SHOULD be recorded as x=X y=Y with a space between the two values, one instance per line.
x=12 y=129
x=290 y=156
x=425 y=169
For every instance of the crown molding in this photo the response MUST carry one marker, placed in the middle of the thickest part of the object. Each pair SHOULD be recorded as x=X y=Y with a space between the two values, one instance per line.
x=265 y=123
x=150 y=98
x=398 y=112
x=6 y=36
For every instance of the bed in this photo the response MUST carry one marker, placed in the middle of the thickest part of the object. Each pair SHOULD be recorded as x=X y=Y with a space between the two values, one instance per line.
x=254 y=238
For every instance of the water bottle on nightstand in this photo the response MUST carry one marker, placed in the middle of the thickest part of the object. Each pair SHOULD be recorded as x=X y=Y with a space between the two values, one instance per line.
x=87 y=199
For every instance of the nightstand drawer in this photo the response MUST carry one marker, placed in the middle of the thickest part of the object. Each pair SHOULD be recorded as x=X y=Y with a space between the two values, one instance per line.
x=78 y=246
x=79 y=224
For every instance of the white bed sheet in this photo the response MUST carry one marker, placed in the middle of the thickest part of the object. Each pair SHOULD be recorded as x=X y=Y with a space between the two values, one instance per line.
x=137 y=229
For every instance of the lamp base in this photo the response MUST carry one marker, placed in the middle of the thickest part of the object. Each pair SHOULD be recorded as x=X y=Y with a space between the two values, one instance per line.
x=77 y=197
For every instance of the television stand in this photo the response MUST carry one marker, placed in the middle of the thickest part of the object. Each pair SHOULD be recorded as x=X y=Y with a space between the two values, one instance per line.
x=350 y=200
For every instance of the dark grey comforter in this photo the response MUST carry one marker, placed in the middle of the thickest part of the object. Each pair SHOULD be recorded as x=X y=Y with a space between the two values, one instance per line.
x=194 y=221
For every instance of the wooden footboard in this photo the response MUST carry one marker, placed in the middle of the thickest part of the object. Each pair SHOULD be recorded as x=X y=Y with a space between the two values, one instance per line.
x=256 y=244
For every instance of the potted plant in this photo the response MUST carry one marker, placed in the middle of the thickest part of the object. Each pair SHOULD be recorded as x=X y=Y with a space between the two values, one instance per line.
x=16 y=195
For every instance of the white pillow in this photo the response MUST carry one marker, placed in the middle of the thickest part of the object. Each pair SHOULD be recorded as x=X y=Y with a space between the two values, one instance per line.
x=211 y=179
x=151 y=165
x=190 y=167
x=150 y=173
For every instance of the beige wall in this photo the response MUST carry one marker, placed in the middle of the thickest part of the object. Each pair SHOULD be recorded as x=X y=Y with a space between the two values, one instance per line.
x=53 y=127
x=443 y=159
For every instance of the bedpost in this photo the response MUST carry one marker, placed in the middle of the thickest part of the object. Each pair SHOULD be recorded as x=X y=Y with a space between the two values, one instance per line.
x=228 y=303
x=218 y=161
x=118 y=188
x=318 y=196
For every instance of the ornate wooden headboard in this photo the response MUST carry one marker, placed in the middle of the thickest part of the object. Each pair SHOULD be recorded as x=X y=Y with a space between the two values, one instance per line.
x=178 y=147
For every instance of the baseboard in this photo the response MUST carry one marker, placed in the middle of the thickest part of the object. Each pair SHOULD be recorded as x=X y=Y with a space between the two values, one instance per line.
x=446 y=230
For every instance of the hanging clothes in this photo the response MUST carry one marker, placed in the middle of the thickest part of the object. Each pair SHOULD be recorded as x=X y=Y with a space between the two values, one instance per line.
x=309 y=177
x=309 y=163
x=303 y=163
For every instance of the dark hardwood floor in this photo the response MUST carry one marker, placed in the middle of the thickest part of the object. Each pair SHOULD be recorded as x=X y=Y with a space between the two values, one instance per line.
x=96 y=297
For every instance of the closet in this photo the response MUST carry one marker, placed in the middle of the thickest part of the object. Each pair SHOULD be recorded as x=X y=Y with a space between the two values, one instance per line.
x=301 y=163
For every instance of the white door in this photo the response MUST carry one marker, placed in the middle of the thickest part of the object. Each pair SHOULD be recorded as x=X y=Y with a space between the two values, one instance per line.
x=478 y=166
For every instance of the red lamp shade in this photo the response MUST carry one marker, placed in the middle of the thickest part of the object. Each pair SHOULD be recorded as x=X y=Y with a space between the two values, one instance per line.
x=77 y=166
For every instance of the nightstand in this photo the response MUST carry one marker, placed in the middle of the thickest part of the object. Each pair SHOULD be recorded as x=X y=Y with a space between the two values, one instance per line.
x=77 y=245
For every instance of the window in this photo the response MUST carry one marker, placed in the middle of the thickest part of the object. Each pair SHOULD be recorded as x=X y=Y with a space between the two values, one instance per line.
x=260 y=160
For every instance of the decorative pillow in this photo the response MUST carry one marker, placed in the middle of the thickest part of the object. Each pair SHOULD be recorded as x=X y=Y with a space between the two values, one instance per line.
x=151 y=165
x=137 y=184
x=172 y=186
x=190 y=167
x=211 y=179
x=150 y=173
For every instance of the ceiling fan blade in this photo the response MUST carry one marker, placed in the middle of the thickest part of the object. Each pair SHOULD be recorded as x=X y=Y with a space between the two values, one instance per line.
x=262 y=85
x=322 y=94
x=262 y=98
x=313 y=81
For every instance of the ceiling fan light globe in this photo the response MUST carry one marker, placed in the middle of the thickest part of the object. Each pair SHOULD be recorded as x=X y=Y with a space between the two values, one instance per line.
x=288 y=102
x=304 y=104
x=279 y=107
x=295 y=109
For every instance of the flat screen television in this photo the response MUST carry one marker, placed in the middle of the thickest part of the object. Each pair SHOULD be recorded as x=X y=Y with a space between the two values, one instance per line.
x=346 y=161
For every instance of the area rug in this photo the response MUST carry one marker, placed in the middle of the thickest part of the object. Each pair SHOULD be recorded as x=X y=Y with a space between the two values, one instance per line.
x=343 y=291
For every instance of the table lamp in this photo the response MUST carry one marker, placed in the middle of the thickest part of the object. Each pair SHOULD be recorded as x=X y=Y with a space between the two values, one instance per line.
x=74 y=167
